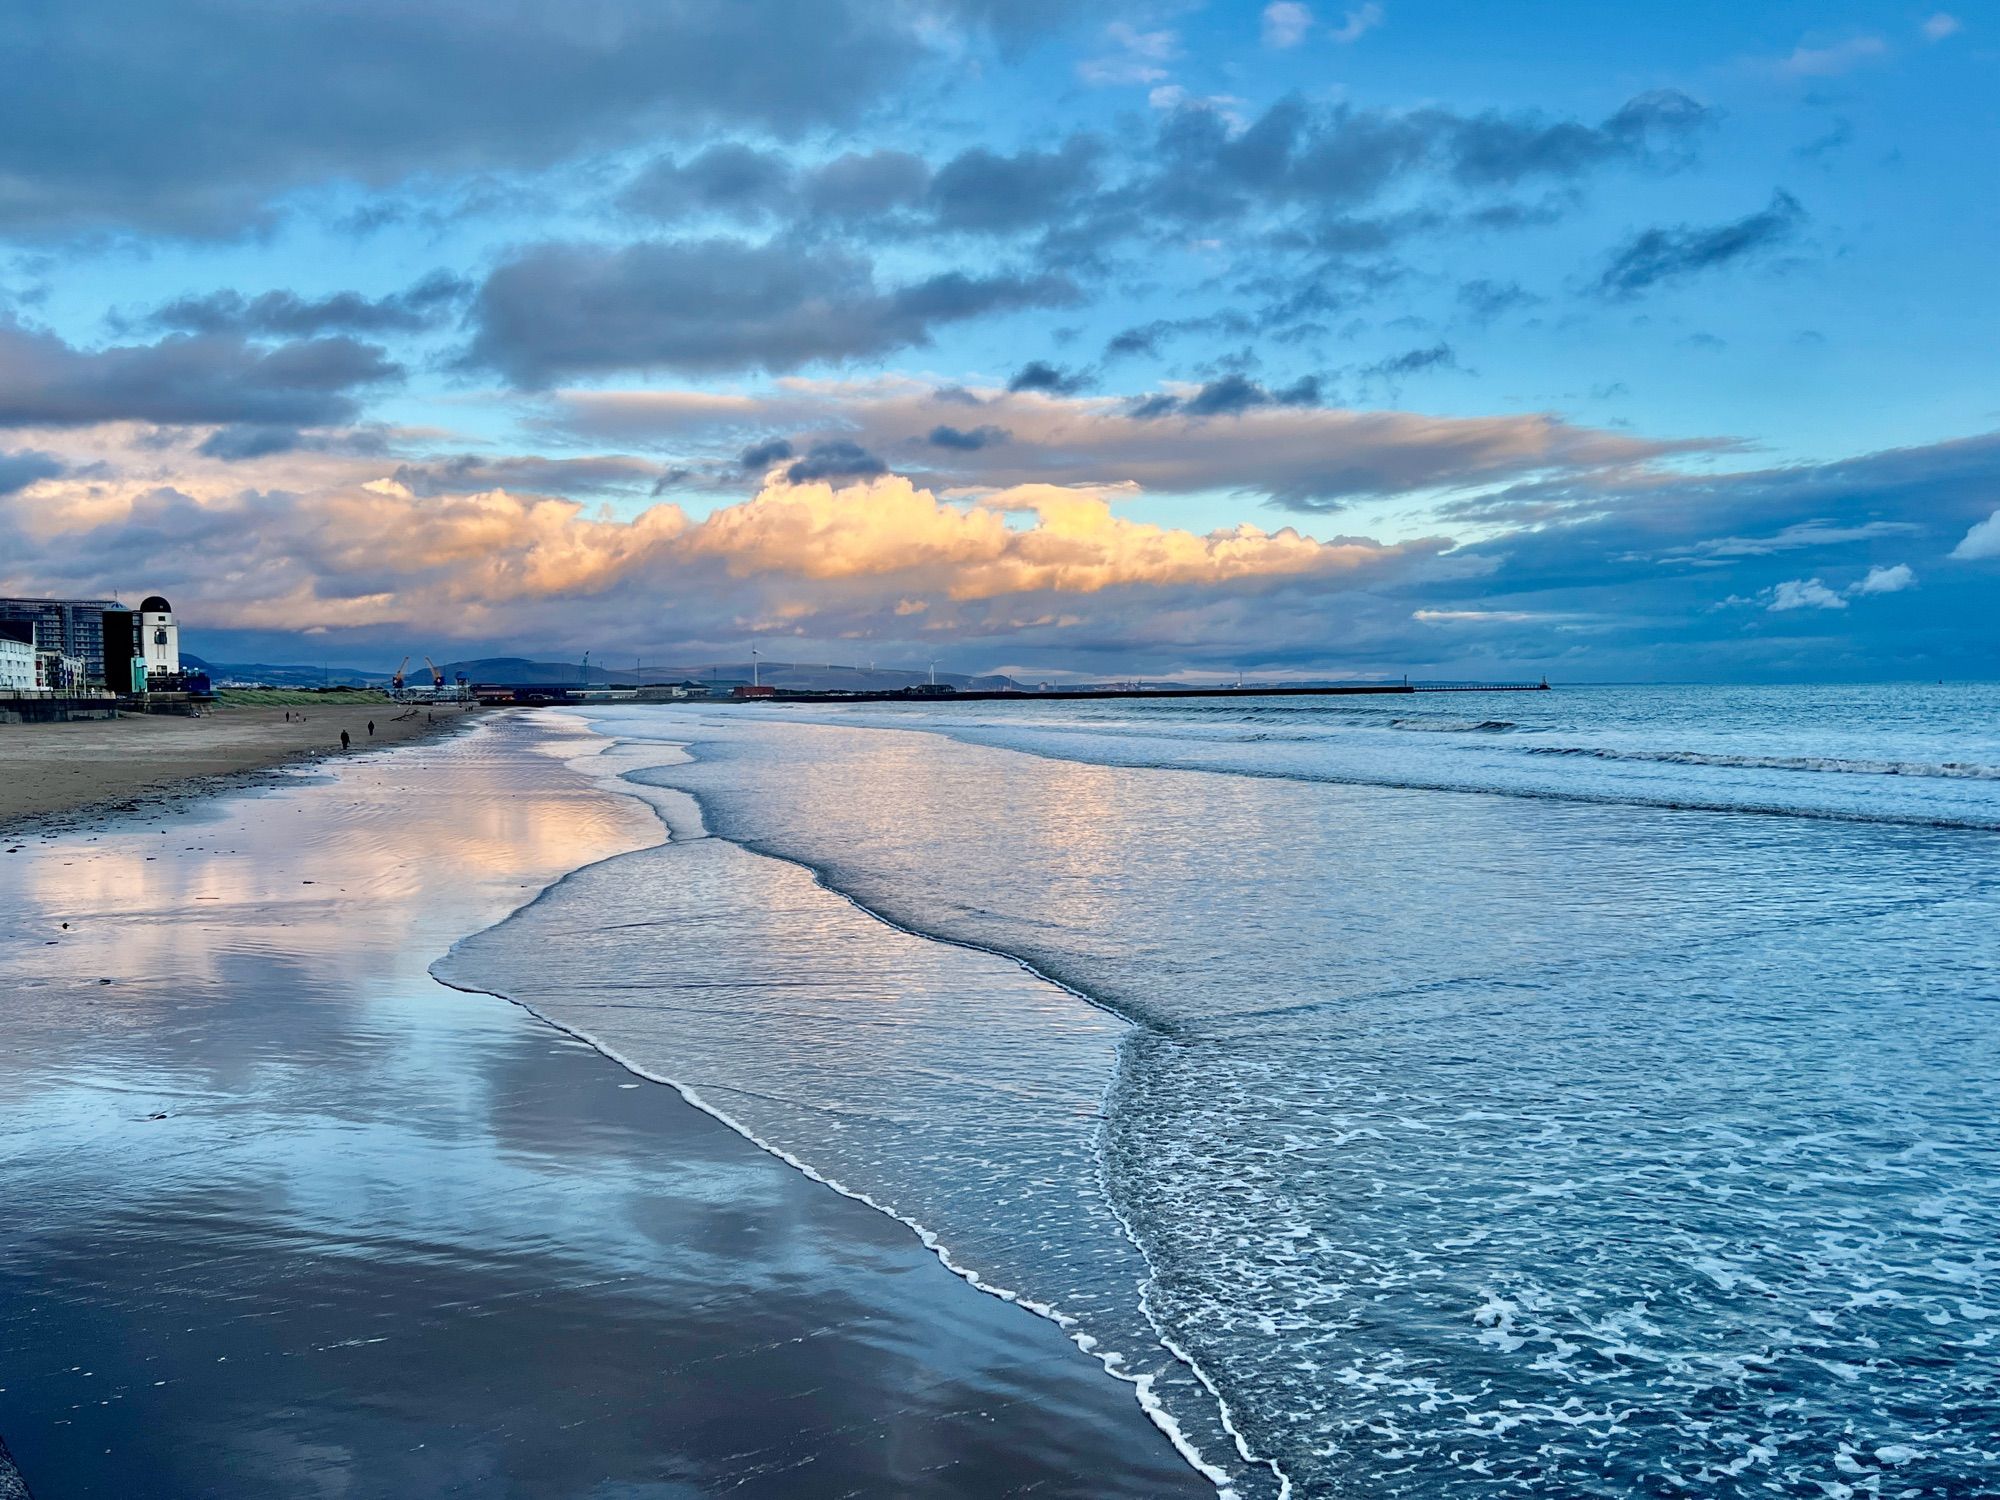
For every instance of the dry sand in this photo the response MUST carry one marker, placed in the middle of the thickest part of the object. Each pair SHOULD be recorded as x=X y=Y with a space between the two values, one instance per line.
x=91 y=763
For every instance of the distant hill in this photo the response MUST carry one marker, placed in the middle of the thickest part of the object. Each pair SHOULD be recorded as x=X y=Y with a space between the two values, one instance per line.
x=284 y=674
x=523 y=671
x=807 y=676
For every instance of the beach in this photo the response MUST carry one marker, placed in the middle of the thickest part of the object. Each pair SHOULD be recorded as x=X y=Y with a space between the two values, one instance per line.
x=59 y=768
x=289 y=1216
x=1438 y=1099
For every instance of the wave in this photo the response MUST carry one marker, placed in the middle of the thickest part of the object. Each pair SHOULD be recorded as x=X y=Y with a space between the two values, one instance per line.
x=1692 y=799
x=1454 y=726
x=1950 y=769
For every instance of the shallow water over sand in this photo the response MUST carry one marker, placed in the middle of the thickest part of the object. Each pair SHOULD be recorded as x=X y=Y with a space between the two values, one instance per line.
x=284 y=1216
x=1476 y=1144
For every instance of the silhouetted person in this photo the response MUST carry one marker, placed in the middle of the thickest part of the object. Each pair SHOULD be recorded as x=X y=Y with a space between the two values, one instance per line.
x=343 y=739
x=371 y=729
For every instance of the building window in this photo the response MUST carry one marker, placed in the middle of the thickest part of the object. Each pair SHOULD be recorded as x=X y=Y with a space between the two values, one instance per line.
x=159 y=638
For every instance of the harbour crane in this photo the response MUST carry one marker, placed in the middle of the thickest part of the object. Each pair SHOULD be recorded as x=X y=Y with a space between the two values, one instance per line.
x=437 y=677
x=396 y=677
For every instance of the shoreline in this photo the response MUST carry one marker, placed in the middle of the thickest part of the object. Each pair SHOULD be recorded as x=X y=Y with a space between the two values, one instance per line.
x=627 y=782
x=56 y=777
x=697 y=1309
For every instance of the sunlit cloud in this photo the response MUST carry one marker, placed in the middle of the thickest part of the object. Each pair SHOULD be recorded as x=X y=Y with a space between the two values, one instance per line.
x=1299 y=456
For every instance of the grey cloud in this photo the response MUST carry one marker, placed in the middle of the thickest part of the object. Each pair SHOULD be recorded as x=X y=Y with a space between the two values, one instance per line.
x=1225 y=397
x=1040 y=375
x=1669 y=254
x=726 y=178
x=1228 y=396
x=106 y=122
x=858 y=184
x=835 y=460
x=466 y=473
x=714 y=305
x=1337 y=157
x=1146 y=338
x=980 y=190
x=962 y=440
x=760 y=456
x=1414 y=362
x=1500 y=149
x=245 y=440
x=185 y=378
x=284 y=314
x=1484 y=299
x=21 y=469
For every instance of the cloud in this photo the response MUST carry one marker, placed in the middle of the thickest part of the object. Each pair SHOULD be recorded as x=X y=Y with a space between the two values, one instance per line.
x=852 y=559
x=716 y=305
x=835 y=460
x=284 y=314
x=466 y=473
x=1324 y=161
x=185 y=378
x=195 y=117
x=1816 y=533
x=1040 y=375
x=758 y=457
x=1414 y=362
x=1803 y=593
x=1941 y=25
x=1833 y=60
x=1484 y=300
x=1473 y=616
x=241 y=440
x=1981 y=542
x=725 y=178
x=1229 y=435
x=21 y=469
x=1889 y=580
x=963 y=441
x=862 y=184
x=984 y=191
x=1136 y=57
x=1583 y=572
x=1231 y=395
x=1285 y=24
x=1665 y=255
x=1358 y=22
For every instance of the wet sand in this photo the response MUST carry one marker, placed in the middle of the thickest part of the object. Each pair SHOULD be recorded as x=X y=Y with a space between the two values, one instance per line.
x=92 y=764
x=287 y=1216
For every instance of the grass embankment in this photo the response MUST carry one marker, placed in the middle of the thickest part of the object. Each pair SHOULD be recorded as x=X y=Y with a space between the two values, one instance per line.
x=298 y=697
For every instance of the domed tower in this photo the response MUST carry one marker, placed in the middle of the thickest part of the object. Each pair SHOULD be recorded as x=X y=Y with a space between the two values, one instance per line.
x=159 y=637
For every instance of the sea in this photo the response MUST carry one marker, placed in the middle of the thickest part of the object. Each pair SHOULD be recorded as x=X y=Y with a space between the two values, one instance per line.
x=1591 y=1092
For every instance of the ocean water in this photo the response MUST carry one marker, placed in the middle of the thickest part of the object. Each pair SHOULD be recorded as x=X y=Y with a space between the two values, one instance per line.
x=1584 y=1093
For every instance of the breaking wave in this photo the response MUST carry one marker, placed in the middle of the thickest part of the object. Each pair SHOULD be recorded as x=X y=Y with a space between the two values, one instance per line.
x=1950 y=769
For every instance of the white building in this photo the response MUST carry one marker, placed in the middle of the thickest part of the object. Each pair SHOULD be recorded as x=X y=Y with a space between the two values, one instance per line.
x=17 y=666
x=58 y=673
x=159 y=637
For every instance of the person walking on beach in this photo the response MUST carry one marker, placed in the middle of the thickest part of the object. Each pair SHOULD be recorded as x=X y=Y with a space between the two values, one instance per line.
x=371 y=729
x=343 y=739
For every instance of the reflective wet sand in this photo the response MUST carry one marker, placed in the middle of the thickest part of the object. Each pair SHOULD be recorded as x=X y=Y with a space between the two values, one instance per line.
x=285 y=1216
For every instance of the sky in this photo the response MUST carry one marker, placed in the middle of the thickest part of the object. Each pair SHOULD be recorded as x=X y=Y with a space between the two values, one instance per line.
x=1639 y=342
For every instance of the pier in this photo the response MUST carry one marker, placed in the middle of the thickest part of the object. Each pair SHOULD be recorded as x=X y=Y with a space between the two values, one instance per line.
x=1024 y=695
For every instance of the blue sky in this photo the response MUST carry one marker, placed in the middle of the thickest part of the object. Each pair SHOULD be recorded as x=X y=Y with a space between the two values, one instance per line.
x=1640 y=341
